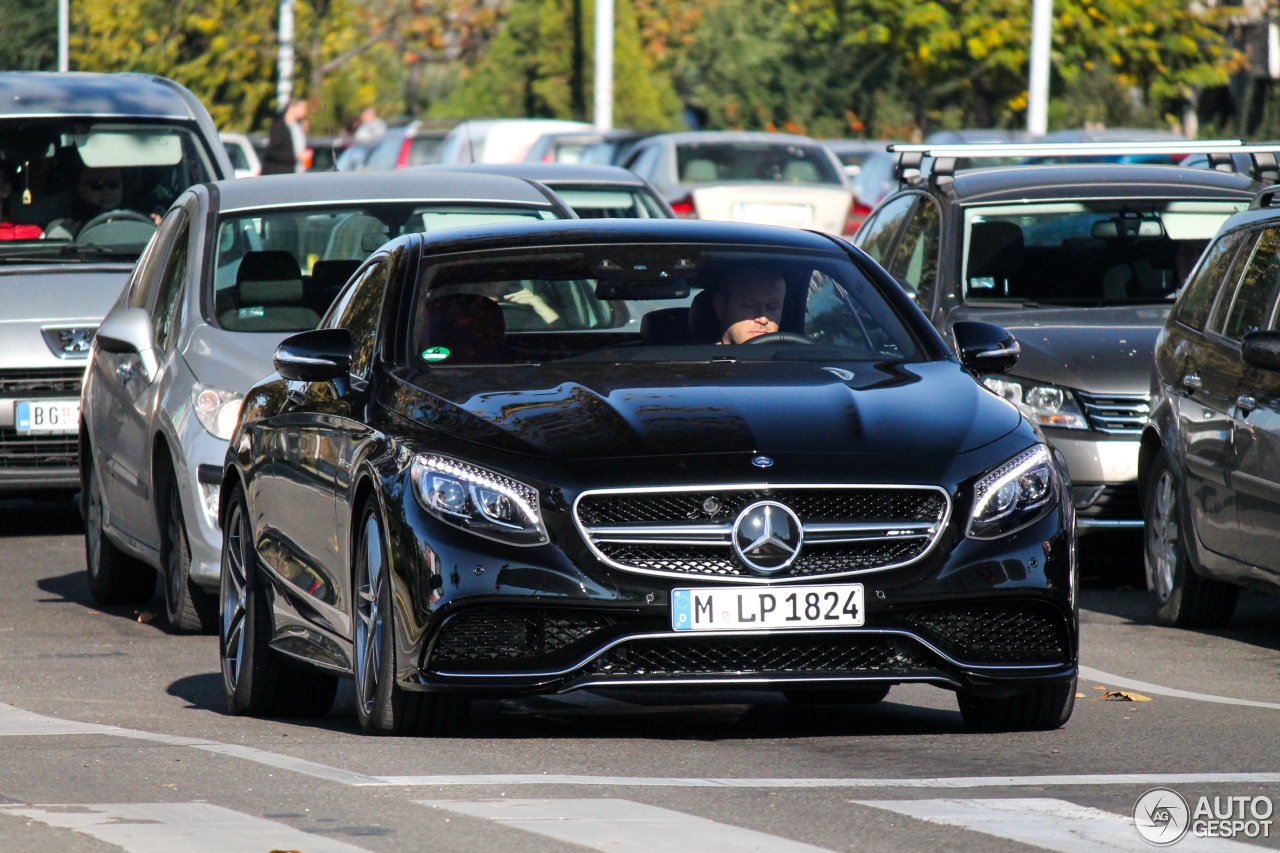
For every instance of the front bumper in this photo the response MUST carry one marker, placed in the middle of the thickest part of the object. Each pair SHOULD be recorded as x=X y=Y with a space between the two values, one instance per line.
x=1104 y=476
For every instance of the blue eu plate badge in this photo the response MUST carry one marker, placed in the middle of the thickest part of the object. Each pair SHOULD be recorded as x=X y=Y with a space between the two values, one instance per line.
x=681 y=610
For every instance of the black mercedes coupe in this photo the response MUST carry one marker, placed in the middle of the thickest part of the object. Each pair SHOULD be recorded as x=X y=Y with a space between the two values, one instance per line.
x=480 y=478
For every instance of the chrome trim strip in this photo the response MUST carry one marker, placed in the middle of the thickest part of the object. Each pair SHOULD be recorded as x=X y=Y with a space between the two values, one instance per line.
x=532 y=204
x=1109 y=522
x=762 y=681
x=669 y=635
x=936 y=533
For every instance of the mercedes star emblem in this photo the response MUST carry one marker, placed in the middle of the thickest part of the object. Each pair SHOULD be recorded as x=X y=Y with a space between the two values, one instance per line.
x=762 y=461
x=767 y=537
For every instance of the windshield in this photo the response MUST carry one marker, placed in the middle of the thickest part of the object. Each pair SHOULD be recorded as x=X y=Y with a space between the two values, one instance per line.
x=693 y=303
x=97 y=185
x=1086 y=253
x=789 y=163
x=277 y=271
x=611 y=203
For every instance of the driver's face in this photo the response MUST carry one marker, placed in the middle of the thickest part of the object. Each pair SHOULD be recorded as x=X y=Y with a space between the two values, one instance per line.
x=102 y=188
x=750 y=307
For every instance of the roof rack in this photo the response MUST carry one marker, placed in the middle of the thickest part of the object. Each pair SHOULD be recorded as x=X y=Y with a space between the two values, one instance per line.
x=1265 y=167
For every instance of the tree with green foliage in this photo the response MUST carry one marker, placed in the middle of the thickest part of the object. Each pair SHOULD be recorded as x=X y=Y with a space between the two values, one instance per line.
x=29 y=38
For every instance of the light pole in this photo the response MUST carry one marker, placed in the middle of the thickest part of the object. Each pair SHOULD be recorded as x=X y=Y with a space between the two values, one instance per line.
x=64 y=35
x=1038 y=86
x=284 y=56
x=604 y=65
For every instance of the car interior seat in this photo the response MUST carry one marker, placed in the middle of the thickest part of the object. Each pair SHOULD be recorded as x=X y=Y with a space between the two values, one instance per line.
x=699 y=171
x=665 y=327
x=327 y=278
x=800 y=172
x=997 y=254
x=470 y=326
x=704 y=325
x=268 y=296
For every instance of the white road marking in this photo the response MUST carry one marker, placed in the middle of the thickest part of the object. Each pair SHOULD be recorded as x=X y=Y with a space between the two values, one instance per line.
x=20 y=723
x=1046 y=823
x=621 y=826
x=1107 y=678
x=189 y=827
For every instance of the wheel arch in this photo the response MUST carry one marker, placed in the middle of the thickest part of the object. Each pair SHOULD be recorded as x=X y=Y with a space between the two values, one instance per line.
x=1149 y=445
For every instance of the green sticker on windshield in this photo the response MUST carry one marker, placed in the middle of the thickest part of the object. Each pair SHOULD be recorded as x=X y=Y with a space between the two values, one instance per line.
x=435 y=353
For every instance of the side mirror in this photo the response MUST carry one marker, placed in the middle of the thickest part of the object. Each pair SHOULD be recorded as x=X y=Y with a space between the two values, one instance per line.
x=1259 y=349
x=315 y=356
x=985 y=347
x=129 y=333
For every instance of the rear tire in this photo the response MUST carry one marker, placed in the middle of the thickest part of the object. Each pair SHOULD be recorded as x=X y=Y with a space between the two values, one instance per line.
x=114 y=576
x=1030 y=709
x=256 y=680
x=190 y=610
x=838 y=695
x=382 y=706
x=1181 y=598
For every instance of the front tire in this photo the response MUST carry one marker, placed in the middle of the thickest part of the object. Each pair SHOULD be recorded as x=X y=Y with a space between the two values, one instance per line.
x=114 y=576
x=257 y=681
x=1181 y=598
x=1037 y=708
x=190 y=610
x=382 y=706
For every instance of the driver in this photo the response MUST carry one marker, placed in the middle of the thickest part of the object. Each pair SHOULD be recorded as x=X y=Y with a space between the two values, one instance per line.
x=749 y=305
x=100 y=190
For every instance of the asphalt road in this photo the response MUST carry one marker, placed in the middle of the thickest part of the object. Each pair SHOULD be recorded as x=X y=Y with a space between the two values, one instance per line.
x=113 y=737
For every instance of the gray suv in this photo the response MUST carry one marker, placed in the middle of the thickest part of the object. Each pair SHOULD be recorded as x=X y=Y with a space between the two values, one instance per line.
x=88 y=164
x=235 y=268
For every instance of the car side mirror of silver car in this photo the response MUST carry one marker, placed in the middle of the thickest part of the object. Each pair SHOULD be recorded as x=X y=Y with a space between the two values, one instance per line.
x=129 y=333
x=320 y=355
x=985 y=348
x=1261 y=349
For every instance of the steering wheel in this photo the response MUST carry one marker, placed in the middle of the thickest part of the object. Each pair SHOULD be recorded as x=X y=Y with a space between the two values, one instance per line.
x=119 y=213
x=780 y=338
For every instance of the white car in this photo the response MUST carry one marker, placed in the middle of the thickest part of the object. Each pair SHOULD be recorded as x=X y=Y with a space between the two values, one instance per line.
x=244 y=159
x=500 y=140
x=759 y=178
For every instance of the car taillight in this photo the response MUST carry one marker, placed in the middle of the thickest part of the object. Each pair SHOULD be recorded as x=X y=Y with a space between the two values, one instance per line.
x=402 y=159
x=684 y=208
x=858 y=213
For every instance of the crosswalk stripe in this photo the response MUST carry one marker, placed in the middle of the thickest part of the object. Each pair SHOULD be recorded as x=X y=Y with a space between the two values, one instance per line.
x=1046 y=823
x=621 y=826
x=189 y=827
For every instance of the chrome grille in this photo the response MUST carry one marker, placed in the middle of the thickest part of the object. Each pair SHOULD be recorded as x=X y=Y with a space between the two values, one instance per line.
x=684 y=532
x=1116 y=414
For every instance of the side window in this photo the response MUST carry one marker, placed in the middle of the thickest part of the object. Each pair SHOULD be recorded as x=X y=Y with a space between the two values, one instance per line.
x=915 y=260
x=1255 y=298
x=168 y=302
x=1209 y=278
x=644 y=161
x=359 y=312
x=876 y=238
x=147 y=273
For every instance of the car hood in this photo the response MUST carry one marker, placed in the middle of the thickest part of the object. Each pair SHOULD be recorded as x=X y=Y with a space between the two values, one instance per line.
x=602 y=411
x=42 y=295
x=1098 y=350
x=233 y=361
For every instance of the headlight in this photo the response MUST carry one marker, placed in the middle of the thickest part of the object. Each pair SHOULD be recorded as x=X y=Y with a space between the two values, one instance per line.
x=1046 y=405
x=217 y=410
x=479 y=500
x=1014 y=494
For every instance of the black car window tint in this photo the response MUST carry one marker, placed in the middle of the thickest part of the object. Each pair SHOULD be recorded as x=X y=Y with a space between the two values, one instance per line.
x=360 y=314
x=876 y=238
x=147 y=275
x=1209 y=279
x=915 y=260
x=164 y=313
x=1255 y=298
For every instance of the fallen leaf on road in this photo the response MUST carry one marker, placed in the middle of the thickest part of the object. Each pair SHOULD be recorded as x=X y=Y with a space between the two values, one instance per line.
x=1119 y=696
x=1079 y=695
x=1099 y=687
x=146 y=616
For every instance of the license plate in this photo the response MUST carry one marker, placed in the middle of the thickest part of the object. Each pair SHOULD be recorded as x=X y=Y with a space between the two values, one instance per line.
x=792 y=215
x=754 y=608
x=47 y=416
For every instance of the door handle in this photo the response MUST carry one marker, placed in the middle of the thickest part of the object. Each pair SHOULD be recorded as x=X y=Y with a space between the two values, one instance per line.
x=1246 y=404
x=1192 y=382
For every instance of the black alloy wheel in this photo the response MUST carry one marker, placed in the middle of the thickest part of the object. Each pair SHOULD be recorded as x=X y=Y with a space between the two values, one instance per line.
x=189 y=609
x=114 y=576
x=1181 y=598
x=257 y=681
x=868 y=695
x=1037 y=708
x=382 y=706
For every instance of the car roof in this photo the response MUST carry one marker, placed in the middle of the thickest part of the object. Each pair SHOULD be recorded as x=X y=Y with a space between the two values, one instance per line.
x=1099 y=180
x=346 y=187
x=596 y=231
x=552 y=174
x=41 y=93
x=715 y=136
